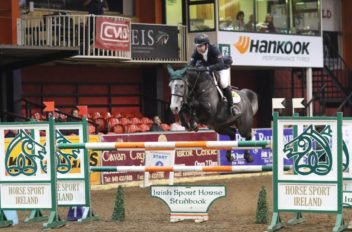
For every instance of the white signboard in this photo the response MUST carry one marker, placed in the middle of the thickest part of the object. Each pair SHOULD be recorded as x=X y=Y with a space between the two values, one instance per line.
x=71 y=192
x=75 y=155
x=347 y=199
x=346 y=156
x=274 y=50
x=27 y=144
x=331 y=14
x=307 y=130
x=188 y=199
x=29 y=196
x=159 y=158
x=307 y=196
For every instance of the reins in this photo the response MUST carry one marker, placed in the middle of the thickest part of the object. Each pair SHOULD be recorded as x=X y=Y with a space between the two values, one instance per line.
x=194 y=85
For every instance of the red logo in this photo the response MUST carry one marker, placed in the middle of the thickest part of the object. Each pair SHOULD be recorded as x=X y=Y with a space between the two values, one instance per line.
x=112 y=34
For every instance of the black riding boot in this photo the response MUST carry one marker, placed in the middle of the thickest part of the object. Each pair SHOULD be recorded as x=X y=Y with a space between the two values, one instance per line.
x=235 y=111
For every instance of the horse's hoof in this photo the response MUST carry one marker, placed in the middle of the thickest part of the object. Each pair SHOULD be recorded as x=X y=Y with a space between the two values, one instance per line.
x=229 y=156
x=194 y=127
x=248 y=158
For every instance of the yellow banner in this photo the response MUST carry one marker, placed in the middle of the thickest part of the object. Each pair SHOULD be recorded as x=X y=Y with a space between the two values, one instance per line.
x=94 y=160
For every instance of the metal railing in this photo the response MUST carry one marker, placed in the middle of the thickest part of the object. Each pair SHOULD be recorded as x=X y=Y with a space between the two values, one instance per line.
x=68 y=31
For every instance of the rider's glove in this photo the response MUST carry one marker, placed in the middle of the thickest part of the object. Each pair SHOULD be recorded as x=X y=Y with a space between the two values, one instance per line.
x=202 y=69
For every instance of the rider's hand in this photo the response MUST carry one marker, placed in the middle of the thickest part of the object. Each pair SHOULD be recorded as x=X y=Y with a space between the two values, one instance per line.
x=202 y=69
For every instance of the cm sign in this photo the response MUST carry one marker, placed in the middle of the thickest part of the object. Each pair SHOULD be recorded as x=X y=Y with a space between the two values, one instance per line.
x=112 y=34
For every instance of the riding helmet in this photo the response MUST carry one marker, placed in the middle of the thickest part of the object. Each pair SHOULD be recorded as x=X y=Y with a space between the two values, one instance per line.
x=201 y=39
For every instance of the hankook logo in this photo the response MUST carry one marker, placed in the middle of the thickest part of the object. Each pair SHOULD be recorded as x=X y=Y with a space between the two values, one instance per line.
x=242 y=44
x=246 y=44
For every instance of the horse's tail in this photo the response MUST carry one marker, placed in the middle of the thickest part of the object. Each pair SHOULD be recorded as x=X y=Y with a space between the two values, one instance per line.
x=253 y=98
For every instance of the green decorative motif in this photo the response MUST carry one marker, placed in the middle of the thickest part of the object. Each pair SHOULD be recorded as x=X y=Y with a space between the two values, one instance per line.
x=345 y=153
x=22 y=154
x=313 y=154
x=64 y=159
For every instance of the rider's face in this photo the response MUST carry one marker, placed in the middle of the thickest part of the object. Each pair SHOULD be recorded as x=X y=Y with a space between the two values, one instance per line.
x=201 y=48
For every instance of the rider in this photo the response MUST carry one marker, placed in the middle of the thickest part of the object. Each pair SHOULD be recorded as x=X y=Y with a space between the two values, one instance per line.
x=212 y=60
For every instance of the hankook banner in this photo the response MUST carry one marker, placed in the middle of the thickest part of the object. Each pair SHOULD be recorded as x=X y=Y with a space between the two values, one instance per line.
x=154 y=41
x=255 y=49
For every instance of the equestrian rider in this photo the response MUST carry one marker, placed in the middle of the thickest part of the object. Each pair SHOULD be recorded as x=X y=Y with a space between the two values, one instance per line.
x=212 y=61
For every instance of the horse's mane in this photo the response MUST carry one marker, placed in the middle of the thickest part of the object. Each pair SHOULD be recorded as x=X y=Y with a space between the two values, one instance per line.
x=193 y=76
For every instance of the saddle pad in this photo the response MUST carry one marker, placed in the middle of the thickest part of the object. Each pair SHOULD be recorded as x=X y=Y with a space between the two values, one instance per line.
x=236 y=98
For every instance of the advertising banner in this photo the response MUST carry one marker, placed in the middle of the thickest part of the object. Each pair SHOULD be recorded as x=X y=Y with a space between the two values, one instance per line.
x=259 y=49
x=137 y=158
x=154 y=41
x=261 y=156
x=112 y=34
x=330 y=11
x=94 y=160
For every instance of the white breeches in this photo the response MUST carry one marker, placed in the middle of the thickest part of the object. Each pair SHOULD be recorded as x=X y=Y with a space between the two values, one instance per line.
x=225 y=78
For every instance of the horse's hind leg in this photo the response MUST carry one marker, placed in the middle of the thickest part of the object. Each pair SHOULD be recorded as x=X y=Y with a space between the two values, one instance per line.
x=247 y=156
x=245 y=130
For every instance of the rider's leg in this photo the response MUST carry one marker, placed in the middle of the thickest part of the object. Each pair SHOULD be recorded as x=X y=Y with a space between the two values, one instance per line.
x=227 y=90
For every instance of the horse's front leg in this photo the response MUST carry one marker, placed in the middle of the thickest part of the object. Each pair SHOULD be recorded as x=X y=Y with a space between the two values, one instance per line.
x=188 y=118
x=193 y=121
x=184 y=119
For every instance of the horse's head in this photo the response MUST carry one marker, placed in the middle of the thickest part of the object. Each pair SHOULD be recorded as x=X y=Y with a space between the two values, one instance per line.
x=311 y=151
x=65 y=156
x=178 y=94
x=22 y=155
x=179 y=90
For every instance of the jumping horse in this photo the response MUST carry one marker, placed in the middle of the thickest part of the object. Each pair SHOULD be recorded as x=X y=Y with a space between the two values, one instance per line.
x=196 y=99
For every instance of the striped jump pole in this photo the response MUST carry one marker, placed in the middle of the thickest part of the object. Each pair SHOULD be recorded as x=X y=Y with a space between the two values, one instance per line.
x=248 y=168
x=210 y=145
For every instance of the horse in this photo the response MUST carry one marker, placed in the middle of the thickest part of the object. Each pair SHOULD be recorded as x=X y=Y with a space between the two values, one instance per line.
x=196 y=98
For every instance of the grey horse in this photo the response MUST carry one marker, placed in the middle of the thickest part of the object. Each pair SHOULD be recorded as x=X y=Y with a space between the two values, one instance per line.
x=194 y=96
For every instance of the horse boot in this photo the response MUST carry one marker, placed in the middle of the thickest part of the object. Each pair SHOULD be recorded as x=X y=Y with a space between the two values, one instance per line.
x=234 y=109
x=193 y=123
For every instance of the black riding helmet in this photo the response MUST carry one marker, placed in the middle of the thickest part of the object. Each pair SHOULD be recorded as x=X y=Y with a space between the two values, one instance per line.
x=201 y=39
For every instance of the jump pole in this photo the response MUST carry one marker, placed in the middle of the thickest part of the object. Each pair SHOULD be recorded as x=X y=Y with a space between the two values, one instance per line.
x=210 y=145
x=248 y=168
